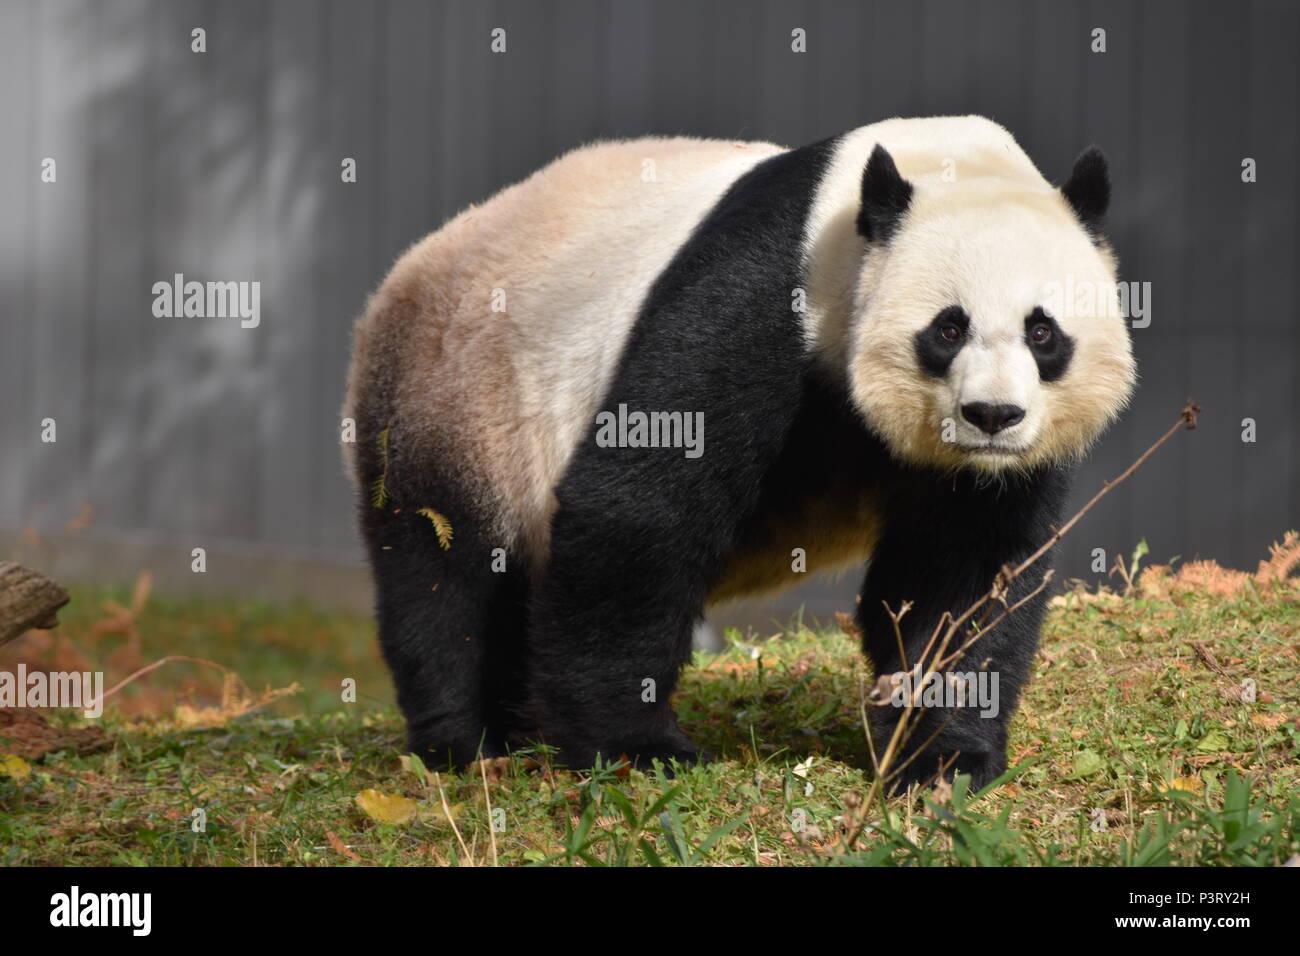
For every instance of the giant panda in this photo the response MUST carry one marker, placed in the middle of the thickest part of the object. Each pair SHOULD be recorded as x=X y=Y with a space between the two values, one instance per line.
x=870 y=332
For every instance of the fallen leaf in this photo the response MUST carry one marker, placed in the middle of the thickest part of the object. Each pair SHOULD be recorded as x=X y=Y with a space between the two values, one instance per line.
x=11 y=765
x=1213 y=742
x=1086 y=763
x=846 y=624
x=386 y=808
x=494 y=768
x=1268 y=721
x=236 y=701
x=341 y=847
x=1186 y=784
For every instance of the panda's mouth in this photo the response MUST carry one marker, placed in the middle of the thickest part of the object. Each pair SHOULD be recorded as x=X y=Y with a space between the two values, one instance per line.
x=994 y=450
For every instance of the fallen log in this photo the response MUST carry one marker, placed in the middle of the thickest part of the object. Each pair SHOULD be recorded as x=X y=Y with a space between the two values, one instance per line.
x=28 y=599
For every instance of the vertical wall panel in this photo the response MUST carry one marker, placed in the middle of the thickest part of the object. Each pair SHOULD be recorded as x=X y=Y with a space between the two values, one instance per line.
x=19 y=181
x=119 y=320
x=1214 y=339
x=1152 y=225
x=170 y=369
x=347 y=262
x=63 y=262
x=1268 y=352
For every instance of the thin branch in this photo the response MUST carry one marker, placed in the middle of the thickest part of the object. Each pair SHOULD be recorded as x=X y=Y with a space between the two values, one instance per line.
x=487 y=799
x=159 y=663
x=897 y=620
x=446 y=808
x=1187 y=419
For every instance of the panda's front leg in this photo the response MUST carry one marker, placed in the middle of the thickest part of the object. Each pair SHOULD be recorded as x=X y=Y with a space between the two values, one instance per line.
x=940 y=553
x=957 y=714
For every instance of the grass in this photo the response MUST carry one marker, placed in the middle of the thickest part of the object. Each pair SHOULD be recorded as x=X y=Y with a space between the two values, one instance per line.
x=1131 y=747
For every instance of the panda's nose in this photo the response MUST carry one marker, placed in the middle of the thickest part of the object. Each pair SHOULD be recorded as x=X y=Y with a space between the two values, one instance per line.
x=992 y=418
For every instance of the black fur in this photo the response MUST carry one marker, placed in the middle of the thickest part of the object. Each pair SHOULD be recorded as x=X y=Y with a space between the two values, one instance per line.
x=885 y=197
x=945 y=540
x=934 y=353
x=1054 y=355
x=1088 y=189
x=640 y=533
x=455 y=653
x=450 y=629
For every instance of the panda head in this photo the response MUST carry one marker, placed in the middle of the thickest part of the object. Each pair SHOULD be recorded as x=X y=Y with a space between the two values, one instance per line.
x=987 y=331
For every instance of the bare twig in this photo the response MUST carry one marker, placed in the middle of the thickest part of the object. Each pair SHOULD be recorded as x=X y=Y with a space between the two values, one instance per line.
x=487 y=798
x=159 y=663
x=897 y=620
x=446 y=808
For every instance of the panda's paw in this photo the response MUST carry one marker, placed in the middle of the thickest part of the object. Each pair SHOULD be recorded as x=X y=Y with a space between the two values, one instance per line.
x=983 y=767
x=450 y=754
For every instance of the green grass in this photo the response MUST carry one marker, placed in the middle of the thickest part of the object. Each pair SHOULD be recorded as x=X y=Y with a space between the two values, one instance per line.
x=1123 y=721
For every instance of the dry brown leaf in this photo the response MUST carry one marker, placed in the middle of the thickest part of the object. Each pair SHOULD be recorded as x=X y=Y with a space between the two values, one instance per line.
x=494 y=768
x=1283 y=558
x=1268 y=721
x=846 y=624
x=236 y=701
x=340 y=847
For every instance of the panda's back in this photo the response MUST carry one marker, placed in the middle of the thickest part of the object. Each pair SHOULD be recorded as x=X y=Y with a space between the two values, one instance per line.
x=492 y=341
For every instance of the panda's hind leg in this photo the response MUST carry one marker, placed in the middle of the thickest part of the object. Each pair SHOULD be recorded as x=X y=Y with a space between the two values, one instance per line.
x=451 y=616
x=610 y=629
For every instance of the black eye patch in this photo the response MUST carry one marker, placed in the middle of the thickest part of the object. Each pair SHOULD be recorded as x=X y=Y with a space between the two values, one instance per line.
x=935 y=344
x=1051 y=347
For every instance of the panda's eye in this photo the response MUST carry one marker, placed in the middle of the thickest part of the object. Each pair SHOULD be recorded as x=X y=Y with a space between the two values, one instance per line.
x=949 y=332
x=1040 y=334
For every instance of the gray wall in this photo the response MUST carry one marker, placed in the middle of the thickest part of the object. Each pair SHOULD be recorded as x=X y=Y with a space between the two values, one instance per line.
x=225 y=165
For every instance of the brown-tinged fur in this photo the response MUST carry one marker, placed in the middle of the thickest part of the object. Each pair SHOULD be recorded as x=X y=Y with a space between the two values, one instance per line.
x=504 y=395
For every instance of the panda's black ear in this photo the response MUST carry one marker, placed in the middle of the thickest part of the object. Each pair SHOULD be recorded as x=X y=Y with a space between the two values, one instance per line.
x=885 y=197
x=1088 y=188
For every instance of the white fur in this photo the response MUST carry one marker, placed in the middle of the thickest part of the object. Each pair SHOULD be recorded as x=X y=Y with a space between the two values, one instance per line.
x=506 y=396
x=985 y=231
